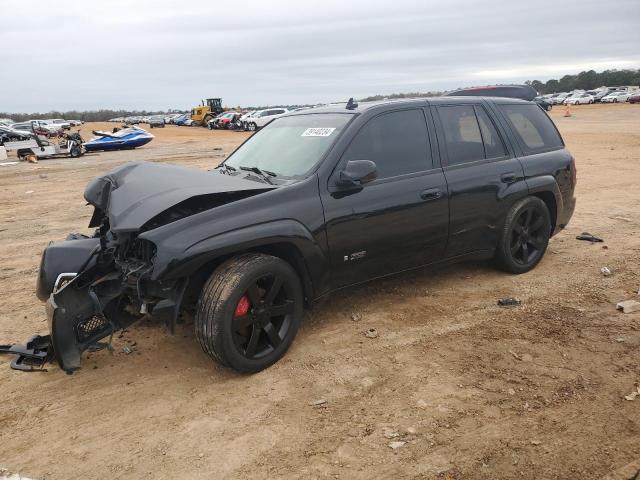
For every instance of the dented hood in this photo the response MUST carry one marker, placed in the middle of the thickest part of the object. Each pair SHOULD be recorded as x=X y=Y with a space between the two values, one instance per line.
x=135 y=193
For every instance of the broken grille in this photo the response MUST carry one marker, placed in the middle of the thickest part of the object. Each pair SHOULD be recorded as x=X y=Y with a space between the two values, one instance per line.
x=91 y=327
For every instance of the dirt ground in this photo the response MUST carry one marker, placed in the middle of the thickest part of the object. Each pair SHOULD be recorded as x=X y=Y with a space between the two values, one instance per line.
x=475 y=390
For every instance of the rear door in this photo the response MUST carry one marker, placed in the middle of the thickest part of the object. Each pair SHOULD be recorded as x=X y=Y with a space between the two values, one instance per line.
x=483 y=175
x=398 y=221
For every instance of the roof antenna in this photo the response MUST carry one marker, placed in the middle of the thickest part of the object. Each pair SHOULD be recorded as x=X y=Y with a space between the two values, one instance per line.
x=352 y=104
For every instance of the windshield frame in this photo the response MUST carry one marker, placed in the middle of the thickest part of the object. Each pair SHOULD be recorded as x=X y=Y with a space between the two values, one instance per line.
x=322 y=158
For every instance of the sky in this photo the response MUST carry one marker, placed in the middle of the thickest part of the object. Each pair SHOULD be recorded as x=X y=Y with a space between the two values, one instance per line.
x=160 y=54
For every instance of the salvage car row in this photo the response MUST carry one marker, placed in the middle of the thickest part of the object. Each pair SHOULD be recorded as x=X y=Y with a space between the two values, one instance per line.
x=602 y=94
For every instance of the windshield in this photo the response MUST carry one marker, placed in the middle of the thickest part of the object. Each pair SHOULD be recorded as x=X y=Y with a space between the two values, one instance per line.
x=290 y=146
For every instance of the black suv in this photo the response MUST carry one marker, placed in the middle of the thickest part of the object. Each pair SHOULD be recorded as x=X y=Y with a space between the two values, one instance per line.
x=318 y=200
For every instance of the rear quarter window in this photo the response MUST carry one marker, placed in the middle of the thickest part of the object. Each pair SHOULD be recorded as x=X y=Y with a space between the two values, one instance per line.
x=533 y=128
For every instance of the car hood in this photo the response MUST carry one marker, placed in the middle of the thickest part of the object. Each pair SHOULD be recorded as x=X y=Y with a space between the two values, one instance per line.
x=142 y=194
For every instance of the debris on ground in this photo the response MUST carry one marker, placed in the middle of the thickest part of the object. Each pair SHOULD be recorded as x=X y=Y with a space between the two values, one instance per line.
x=8 y=164
x=356 y=317
x=606 y=271
x=509 y=302
x=397 y=444
x=628 y=306
x=390 y=433
x=589 y=237
x=371 y=333
x=620 y=217
x=318 y=403
x=29 y=192
x=633 y=394
x=217 y=148
x=535 y=442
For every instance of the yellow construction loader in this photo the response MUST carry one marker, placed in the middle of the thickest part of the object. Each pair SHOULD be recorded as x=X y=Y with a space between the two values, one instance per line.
x=205 y=112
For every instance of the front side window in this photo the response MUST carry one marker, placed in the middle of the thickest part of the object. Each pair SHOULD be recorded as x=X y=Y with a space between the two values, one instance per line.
x=534 y=129
x=397 y=142
x=290 y=146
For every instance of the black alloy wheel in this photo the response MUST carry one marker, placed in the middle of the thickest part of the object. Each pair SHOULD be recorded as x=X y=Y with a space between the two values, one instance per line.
x=262 y=317
x=249 y=311
x=525 y=235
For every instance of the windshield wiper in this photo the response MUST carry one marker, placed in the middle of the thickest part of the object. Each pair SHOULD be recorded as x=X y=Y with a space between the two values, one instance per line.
x=264 y=173
x=227 y=168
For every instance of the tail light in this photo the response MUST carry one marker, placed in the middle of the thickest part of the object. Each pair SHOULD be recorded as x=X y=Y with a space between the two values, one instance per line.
x=574 y=172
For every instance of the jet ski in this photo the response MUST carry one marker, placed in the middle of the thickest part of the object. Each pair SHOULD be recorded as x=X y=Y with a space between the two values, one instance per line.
x=124 y=139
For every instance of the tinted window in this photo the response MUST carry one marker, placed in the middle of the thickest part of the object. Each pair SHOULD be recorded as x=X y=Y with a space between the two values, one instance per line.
x=534 y=129
x=493 y=145
x=397 y=142
x=462 y=134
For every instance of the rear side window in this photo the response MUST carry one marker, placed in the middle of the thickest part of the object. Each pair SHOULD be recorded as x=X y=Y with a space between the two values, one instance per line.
x=493 y=145
x=534 y=129
x=462 y=134
x=397 y=142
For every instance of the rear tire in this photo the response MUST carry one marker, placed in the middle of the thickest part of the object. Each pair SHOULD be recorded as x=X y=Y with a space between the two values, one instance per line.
x=249 y=312
x=76 y=151
x=525 y=236
x=252 y=127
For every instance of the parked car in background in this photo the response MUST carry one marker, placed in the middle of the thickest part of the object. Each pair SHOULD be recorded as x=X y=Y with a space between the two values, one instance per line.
x=156 y=121
x=75 y=123
x=183 y=120
x=579 y=99
x=226 y=120
x=244 y=117
x=599 y=93
x=616 y=97
x=558 y=99
x=39 y=127
x=635 y=98
x=59 y=122
x=261 y=118
x=6 y=121
x=315 y=202
x=543 y=102
x=10 y=134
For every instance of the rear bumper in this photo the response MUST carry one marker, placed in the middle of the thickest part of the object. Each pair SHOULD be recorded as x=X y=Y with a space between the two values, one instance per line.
x=566 y=214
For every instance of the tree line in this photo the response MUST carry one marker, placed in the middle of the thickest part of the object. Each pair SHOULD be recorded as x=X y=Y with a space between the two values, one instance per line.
x=587 y=80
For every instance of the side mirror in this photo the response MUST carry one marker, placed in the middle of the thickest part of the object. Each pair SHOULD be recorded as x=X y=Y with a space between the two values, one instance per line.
x=357 y=173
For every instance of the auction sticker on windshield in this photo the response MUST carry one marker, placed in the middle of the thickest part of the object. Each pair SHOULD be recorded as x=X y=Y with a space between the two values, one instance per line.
x=317 y=132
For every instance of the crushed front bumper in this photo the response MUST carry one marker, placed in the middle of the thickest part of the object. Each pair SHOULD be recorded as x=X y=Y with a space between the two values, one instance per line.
x=109 y=292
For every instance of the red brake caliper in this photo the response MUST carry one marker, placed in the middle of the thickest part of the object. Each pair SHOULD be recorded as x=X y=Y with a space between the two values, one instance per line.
x=242 y=308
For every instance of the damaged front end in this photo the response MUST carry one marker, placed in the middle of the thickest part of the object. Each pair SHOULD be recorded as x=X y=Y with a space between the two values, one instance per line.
x=95 y=285
x=110 y=290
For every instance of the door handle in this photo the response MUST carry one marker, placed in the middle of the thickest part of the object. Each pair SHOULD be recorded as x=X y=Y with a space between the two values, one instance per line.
x=508 y=177
x=431 y=194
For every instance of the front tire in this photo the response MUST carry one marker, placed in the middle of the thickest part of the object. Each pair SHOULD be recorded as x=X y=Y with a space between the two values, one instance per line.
x=249 y=312
x=525 y=236
x=252 y=127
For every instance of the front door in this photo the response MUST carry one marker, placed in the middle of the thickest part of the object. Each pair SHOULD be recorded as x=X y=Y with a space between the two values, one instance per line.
x=398 y=221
